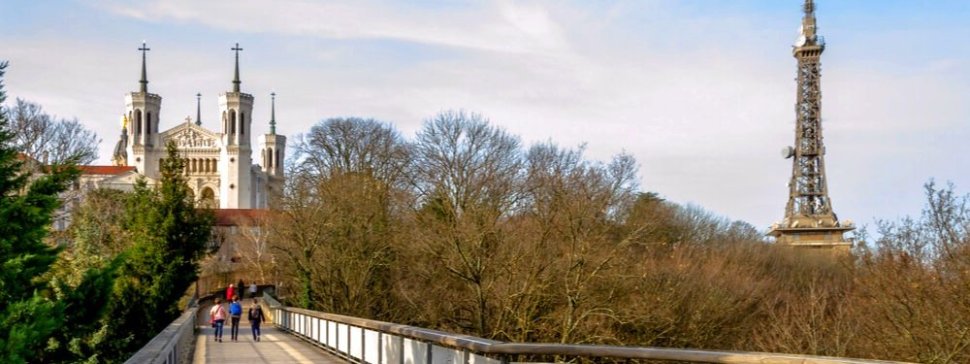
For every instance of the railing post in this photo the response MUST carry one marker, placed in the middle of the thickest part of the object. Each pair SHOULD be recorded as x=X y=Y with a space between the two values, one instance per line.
x=430 y=349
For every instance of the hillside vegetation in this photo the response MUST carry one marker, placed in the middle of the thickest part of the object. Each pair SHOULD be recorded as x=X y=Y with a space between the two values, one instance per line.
x=466 y=230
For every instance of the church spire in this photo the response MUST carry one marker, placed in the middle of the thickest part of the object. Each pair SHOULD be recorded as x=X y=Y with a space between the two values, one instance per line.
x=272 y=114
x=144 y=73
x=235 y=81
x=198 y=108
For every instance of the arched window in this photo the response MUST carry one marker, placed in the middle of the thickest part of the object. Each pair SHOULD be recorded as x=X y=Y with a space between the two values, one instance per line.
x=269 y=161
x=277 y=161
x=137 y=121
x=225 y=123
x=208 y=198
x=232 y=121
x=242 y=123
x=148 y=123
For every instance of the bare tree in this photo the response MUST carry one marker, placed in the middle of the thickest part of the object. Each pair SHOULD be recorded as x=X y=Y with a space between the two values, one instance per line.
x=339 y=212
x=466 y=173
x=353 y=145
x=253 y=244
x=576 y=204
x=49 y=139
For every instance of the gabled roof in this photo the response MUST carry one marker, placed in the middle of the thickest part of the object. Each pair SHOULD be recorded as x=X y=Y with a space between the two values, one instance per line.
x=188 y=125
x=236 y=217
x=106 y=170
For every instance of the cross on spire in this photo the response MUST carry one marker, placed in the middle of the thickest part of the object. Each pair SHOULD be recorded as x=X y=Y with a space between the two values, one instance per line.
x=235 y=81
x=144 y=73
x=272 y=115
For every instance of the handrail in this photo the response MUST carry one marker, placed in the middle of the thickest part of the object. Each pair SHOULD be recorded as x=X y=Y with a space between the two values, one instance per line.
x=167 y=347
x=299 y=321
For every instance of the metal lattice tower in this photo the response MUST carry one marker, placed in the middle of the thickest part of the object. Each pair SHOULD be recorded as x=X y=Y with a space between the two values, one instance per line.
x=809 y=219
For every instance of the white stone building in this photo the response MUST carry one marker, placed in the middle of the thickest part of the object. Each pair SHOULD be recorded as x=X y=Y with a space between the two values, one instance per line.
x=220 y=167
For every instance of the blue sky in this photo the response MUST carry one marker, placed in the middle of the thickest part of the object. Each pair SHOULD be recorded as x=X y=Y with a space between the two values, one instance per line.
x=700 y=92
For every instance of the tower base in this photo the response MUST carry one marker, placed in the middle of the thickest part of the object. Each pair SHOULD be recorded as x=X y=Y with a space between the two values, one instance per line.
x=812 y=237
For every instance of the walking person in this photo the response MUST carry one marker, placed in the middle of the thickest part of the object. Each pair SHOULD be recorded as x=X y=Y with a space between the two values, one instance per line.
x=255 y=318
x=217 y=317
x=252 y=289
x=235 y=313
x=241 y=289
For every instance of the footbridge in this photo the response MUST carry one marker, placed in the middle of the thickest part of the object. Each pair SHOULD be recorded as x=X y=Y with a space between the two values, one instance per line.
x=294 y=335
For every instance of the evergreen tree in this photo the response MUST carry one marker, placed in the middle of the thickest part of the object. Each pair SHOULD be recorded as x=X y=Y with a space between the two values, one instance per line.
x=84 y=275
x=28 y=313
x=168 y=236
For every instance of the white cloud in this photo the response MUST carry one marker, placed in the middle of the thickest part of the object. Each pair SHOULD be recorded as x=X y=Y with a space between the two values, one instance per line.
x=503 y=26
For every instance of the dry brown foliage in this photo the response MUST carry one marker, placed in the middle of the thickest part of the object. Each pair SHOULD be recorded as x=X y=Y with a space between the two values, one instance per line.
x=471 y=234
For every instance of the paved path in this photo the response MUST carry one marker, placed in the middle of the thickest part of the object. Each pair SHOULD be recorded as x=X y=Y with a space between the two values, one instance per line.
x=275 y=346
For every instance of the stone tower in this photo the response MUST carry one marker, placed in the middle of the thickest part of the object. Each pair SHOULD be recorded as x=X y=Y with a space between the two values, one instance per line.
x=142 y=109
x=809 y=220
x=236 y=156
x=272 y=152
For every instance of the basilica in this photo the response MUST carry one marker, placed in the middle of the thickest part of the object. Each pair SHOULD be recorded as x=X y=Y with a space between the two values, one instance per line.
x=220 y=169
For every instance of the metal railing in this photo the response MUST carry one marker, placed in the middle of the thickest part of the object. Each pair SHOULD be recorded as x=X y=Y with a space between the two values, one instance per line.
x=376 y=342
x=173 y=344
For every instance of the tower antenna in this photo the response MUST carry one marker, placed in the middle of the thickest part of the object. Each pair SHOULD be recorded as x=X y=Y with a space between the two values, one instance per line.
x=809 y=219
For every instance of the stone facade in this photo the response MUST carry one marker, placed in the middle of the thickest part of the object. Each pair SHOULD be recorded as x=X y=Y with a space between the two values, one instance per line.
x=220 y=167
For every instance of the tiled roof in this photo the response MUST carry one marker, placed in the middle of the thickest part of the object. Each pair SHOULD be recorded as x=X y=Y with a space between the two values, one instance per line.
x=235 y=217
x=105 y=170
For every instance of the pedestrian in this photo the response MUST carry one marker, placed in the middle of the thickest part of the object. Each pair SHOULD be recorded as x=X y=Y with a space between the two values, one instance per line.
x=255 y=318
x=231 y=291
x=252 y=289
x=235 y=313
x=240 y=288
x=217 y=318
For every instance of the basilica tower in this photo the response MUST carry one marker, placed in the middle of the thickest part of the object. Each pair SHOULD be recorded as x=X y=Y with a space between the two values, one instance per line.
x=236 y=156
x=273 y=153
x=809 y=219
x=142 y=109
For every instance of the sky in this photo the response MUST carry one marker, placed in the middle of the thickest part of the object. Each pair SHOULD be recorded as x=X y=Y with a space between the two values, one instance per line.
x=700 y=92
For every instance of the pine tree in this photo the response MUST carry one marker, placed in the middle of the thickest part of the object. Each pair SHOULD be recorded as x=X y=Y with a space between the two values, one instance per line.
x=168 y=236
x=28 y=314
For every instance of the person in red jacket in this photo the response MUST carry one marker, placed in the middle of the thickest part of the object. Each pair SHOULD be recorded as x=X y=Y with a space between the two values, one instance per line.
x=230 y=292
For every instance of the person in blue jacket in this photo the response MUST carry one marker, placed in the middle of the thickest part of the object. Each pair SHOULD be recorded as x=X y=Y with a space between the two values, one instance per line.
x=235 y=313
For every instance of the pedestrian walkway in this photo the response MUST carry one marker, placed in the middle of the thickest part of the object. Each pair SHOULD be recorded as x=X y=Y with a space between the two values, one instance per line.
x=275 y=346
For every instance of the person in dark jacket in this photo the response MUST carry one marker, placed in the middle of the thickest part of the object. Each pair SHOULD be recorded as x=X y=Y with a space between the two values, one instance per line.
x=255 y=318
